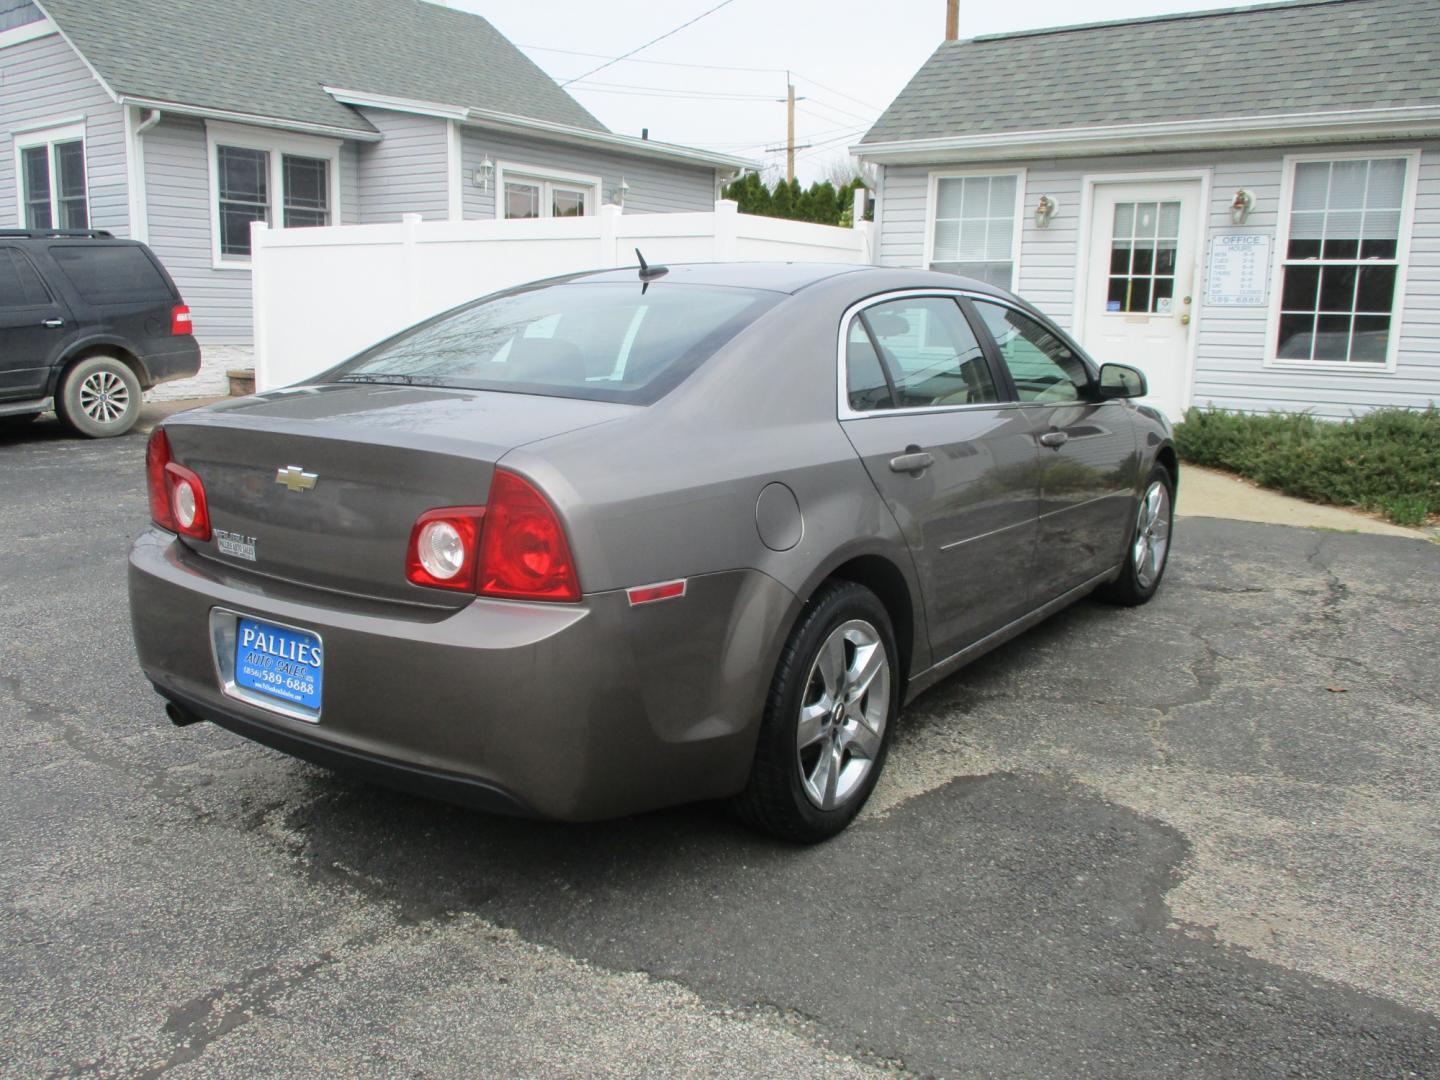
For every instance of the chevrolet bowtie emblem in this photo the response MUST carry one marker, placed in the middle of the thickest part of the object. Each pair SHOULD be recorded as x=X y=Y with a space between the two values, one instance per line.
x=295 y=478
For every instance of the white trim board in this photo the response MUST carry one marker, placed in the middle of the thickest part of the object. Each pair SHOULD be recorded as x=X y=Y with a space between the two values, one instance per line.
x=1402 y=254
x=1088 y=183
x=18 y=35
x=277 y=144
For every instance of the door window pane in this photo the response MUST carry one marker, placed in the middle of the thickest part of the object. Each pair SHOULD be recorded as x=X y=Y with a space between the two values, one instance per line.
x=307 y=191
x=864 y=375
x=975 y=227
x=1144 y=239
x=20 y=285
x=1338 y=276
x=244 y=182
x=1043 y=367
x=928 y=350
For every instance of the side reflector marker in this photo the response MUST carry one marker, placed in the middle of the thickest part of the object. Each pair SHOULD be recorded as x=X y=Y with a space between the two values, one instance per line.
x=662 y=590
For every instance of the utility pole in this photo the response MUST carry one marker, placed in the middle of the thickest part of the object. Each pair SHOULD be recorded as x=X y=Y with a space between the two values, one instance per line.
x=952 y=19
x=789 y=99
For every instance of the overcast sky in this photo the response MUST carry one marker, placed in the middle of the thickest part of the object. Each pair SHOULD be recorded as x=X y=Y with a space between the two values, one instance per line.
x=860 y=53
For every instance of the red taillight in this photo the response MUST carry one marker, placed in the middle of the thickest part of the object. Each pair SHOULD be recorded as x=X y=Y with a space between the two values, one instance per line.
x=445 y=547
x=187 y=502
x=177 y=497
x=157 y=456
x=513 y=547
x=523 y=551
x=180 y=320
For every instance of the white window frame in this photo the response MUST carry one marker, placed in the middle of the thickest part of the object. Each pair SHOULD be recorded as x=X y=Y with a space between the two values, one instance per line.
x=932 y=209
x=1402 y=255
x=72 y=130
x=547 y=178
x=277 y=144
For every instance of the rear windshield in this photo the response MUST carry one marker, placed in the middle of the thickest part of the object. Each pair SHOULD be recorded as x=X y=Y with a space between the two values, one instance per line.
x=601 y=341
x=119 y=274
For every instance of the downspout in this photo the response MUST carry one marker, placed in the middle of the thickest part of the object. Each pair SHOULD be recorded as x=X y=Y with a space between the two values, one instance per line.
x=151 y=118
x=135 y=169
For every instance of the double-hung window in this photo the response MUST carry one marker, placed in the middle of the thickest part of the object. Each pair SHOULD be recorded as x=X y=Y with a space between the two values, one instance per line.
x=1345 y=237
x=524 y=194
x=51 y=168
x=974 y=226
x=285 y=181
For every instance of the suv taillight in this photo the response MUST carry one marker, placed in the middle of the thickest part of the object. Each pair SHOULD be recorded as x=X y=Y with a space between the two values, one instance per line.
x=180 y=321
x=514 y=547
x=177 y=496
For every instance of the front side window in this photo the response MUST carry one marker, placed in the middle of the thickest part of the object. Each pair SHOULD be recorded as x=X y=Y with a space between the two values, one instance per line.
x=915 y=352
x=535 y=197
x=1042 y=366
x=1341 y=261
x=53 y=188
x=974 y=228
x=256 y=184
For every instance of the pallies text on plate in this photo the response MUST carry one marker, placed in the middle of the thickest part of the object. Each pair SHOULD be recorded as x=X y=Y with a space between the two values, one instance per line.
x=300 y=651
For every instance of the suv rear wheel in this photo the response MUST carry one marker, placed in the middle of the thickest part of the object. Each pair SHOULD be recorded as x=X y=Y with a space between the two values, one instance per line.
x=99 y=397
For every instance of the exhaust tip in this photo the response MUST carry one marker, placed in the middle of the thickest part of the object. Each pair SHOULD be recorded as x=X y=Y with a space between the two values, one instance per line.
x=181 y=716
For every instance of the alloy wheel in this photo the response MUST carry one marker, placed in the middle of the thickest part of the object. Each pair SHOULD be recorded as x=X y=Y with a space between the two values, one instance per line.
x=843 y=714
x=1152 y=534
x=104 y=397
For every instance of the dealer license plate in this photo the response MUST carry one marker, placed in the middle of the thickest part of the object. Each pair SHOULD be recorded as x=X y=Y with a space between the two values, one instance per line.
x=280 y=662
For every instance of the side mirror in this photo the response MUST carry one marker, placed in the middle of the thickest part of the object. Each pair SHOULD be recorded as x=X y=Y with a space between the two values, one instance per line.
x=1122 y=381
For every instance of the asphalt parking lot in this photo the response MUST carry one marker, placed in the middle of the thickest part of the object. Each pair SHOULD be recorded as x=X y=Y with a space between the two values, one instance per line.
x=1200 y=838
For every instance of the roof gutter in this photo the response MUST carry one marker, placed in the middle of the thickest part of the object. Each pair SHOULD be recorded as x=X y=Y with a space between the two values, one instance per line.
x=179 y=109
x=1410 y=121
x=500 y=121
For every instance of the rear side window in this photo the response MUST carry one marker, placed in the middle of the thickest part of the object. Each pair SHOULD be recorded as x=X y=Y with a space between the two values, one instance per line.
x=20 y=284
x=105 y=274
x=602 y=341
x=924 y=348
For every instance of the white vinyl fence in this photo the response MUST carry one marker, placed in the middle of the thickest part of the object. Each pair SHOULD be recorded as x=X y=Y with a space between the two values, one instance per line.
x=322 y=294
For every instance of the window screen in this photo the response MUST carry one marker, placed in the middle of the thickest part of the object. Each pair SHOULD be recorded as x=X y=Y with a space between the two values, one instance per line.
x=975 y=227
x=1341 y=260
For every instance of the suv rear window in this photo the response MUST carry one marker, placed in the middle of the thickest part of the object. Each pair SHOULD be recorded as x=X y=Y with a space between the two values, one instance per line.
x=602 y=341
x=111 y=274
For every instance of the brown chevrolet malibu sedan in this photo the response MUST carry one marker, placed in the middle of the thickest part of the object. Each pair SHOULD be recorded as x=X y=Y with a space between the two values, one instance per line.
x=634 y=538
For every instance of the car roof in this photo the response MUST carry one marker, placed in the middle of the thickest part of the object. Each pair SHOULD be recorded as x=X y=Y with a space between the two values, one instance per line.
x=791 y=277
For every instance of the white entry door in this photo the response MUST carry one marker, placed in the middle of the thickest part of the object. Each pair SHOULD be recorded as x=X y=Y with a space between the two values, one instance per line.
x=1140 y=283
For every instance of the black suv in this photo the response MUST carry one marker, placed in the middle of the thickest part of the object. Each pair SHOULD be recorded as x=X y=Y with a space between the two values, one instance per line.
x=87 y=324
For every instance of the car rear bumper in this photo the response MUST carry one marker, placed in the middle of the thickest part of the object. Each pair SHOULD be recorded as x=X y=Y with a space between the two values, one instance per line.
x=566 y=711
x=179 y=362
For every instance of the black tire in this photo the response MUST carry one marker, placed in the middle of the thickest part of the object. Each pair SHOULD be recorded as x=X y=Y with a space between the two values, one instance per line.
x=775 y=799
x=99 y=398
x=1134 y=587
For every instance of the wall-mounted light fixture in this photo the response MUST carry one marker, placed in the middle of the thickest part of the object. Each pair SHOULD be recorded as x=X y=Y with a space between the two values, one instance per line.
x=618 y=193
x=1045 y=210
x=1241 y=206
x=483 y=172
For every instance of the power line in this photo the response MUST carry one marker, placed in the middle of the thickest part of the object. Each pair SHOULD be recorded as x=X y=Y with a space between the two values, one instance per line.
x=658 y=63
x=652 y=41
x=839 y=93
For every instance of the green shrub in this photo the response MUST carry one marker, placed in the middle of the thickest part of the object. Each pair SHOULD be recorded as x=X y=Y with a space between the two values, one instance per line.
x=1387 y=460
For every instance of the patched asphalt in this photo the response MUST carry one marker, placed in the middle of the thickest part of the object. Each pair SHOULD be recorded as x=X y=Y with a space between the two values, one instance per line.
x=1200 y=838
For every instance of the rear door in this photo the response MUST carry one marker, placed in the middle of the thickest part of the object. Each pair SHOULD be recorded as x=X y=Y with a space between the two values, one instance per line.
x=955 y=462
x=122 y=284
x=33 y=326
x=1087 y=451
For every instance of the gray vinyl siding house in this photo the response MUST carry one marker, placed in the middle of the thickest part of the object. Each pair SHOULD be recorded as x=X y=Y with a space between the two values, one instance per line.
x=389 y=107
x=1245 y=203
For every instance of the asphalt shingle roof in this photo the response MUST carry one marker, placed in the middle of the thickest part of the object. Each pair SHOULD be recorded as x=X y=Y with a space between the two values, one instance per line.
x=1307 y=56
x=271 y=58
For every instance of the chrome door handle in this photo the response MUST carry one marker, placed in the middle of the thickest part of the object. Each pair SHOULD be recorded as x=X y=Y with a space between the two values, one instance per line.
x=1054 y=438
x=914 y=461
x=53 y=324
